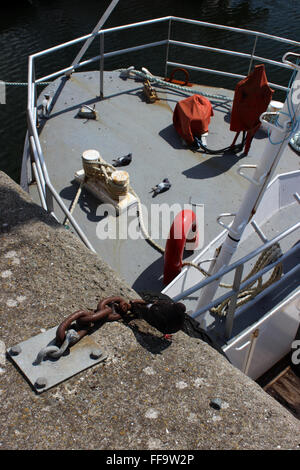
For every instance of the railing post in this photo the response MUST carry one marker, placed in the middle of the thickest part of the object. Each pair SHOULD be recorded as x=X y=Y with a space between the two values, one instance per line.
x=168 y=46
x=34 y=114
x=49 y=199
x=233 y=301
x=35 y=98
x=252 y=54
x=40 y=177
x=101 y=65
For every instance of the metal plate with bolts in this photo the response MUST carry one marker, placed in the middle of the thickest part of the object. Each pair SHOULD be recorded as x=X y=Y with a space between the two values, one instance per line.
x=82 y=355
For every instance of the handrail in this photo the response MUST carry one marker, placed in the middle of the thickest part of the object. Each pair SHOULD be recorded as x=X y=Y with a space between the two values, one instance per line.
x=169 y=41
x=237 y=30
x=227 y=51
x=162 y=19
x=228 y=295
x=240 y=286
x=234 y=265
x=106 y=55
x=51 y=189
x=102 y=31
x=221 y=72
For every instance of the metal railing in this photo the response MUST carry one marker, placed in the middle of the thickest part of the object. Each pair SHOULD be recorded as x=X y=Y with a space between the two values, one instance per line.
x=169 y=42
x=46 y=190
x=238 y=285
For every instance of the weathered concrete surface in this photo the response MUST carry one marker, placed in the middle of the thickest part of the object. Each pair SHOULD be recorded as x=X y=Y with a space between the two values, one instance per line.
x=149 y=394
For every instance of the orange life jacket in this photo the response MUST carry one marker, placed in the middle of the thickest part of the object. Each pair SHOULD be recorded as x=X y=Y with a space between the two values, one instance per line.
x=251 y=98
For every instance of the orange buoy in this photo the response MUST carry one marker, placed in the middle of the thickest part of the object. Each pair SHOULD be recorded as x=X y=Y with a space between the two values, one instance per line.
x=183 y=230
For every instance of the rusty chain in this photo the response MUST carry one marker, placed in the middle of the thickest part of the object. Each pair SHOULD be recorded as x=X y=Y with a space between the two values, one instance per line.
x=108 y=310
x=158 y=310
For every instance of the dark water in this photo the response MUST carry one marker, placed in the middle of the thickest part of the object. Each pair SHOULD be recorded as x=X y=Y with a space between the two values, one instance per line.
x=26 y=28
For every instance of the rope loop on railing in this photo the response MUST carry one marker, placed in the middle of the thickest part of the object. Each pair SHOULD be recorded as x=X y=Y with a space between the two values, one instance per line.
x=269 y=256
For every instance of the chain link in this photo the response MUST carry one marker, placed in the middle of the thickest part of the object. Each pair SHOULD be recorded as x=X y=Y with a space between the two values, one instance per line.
x=109 y=309
x=55 y=352
x=165 y=315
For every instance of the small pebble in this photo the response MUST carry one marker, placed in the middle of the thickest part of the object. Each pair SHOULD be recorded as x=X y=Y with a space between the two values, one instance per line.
x=6 y=273
x=181 y=385
x=10 y=254
x=151 y=413
x=149 y=371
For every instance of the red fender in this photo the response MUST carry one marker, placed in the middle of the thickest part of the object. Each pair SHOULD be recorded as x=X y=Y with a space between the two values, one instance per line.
x=184 y=229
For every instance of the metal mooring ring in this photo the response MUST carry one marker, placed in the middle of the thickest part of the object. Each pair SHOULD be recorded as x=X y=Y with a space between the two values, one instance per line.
x=187 y=76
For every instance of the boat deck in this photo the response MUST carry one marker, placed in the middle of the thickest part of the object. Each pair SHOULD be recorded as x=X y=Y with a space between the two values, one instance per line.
x=128 y=124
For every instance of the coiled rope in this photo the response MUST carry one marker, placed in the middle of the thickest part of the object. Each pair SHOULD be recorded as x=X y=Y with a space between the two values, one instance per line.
x=267 y=257
x=99 y=169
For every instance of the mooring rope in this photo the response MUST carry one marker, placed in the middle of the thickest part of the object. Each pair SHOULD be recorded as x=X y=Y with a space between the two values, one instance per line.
x=146 y=75
x=23 y=83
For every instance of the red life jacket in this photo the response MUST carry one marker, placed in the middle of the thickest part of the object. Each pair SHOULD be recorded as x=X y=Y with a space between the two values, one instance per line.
x=251 y=98
x=191 y=117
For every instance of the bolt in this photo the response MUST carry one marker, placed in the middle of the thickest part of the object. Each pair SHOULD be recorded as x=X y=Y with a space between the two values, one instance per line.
x=41 y=382
x=15 y=350
x=95 y=353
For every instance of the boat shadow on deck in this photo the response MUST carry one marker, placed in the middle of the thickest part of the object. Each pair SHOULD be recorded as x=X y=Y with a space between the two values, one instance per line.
x=213 y=165
x=87 y=202
x=153 y=275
